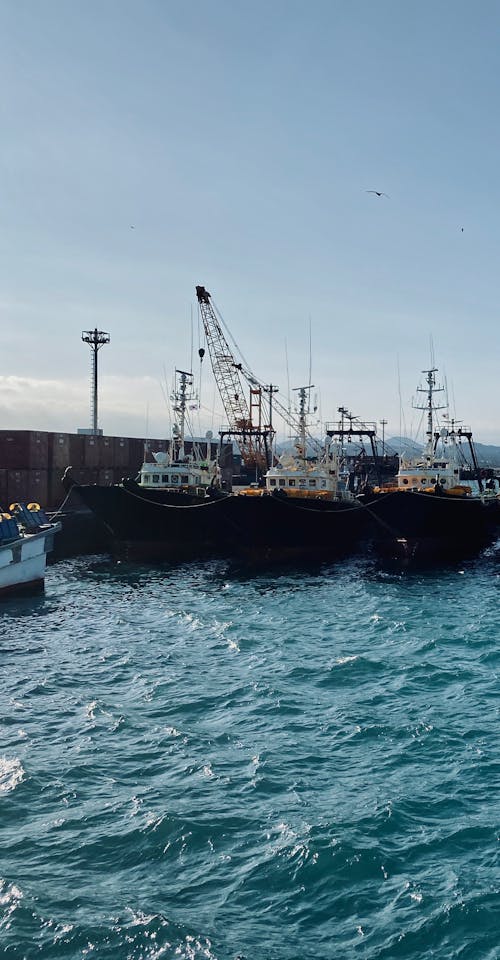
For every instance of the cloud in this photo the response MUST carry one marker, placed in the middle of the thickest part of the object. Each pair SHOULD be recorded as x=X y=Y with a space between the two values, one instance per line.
x=128 y=406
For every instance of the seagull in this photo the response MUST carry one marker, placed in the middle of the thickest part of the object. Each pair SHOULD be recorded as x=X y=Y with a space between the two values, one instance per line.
x=379 y=193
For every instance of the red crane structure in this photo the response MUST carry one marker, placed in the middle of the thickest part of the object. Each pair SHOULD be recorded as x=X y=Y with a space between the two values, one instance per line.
x=245 y=419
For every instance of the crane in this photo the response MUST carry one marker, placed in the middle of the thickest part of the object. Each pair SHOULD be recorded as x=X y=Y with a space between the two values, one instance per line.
x=246 y=422
x=252 y=438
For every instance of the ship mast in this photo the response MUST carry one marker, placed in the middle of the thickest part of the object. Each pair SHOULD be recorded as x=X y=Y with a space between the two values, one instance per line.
x=303 y=398
x=180 y=398
x=430 y=406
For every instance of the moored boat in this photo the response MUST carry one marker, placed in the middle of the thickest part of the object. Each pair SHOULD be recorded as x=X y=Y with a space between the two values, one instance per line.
x=426 y=512
x=26 y=537
x=303 y=510
x=177 y=478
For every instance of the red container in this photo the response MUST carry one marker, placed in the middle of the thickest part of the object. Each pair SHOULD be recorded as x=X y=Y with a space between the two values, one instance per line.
x=76 y=450
x=23 y=449
x=3 y=491
x=38 y=486
x=17 y=485
x=135 y=457
x=59 y=451
x=98 y=451
x=91 y=451
x=56 y=493
x=107 y=453
x=28 y=486
x=120 y=451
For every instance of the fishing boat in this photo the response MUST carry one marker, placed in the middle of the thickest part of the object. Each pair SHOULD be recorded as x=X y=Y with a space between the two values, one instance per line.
x=303 y=509
x=186 y=475
x=178 y=476
x=426 y=512
x=26 y=537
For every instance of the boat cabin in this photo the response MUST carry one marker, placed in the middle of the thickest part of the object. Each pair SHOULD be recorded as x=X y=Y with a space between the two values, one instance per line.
x=414 y=475
x=188 y=475
x=301 y=478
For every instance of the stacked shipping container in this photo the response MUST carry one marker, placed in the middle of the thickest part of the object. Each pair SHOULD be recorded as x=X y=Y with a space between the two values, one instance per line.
x=32 y=462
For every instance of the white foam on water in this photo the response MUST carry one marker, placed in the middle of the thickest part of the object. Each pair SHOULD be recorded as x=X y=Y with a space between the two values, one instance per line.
x=11 y=773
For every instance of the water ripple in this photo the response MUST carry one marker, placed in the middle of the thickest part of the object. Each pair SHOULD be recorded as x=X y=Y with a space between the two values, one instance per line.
x=199 y=763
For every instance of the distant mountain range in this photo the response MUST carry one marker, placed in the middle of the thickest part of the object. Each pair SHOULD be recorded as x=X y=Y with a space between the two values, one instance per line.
x=487 y=455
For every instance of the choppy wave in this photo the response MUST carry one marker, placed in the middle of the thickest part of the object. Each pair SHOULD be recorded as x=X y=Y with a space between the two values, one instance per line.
x=11 y=774
x=196 y=763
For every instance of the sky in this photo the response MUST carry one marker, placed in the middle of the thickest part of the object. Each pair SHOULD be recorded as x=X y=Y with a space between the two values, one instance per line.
x=150 y=145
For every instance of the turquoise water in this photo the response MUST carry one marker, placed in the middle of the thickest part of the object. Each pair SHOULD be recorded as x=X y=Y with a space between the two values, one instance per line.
x=199 y=763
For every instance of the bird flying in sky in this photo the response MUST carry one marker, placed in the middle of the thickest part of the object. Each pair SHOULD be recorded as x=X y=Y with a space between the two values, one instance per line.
x=379 y=193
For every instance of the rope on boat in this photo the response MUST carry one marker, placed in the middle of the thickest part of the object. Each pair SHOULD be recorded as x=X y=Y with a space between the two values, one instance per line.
x=383 y=523
x=60 y=509
x=169 y=506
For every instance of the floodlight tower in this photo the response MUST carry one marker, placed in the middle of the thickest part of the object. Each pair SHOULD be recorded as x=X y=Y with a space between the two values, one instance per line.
x=96 y=339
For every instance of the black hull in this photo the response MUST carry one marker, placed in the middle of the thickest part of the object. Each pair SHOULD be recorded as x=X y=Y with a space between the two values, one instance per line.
x=163 y=527
x=427 y=526
x=256 y=528
x=275 y=529
x=159 y=525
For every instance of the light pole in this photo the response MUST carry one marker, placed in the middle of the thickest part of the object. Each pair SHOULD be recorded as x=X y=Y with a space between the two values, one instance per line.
x=96 y=339
x=383 y=422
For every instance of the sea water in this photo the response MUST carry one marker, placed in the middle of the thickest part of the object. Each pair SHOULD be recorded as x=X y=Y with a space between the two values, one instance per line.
x=204 y=762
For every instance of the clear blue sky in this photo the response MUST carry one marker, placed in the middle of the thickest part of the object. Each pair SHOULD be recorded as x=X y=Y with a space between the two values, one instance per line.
x=239 y=140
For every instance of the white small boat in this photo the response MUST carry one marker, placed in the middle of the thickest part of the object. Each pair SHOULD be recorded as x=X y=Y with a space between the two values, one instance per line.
x=26 y=537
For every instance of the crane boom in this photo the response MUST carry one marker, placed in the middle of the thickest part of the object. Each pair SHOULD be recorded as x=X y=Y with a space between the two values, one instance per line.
x=230 y=386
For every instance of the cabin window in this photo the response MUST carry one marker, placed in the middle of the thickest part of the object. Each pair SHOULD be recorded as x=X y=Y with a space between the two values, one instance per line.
x=273 y=483
x=312 y=483
x=145 y=478
x=405 y=481
x=184 y=478
x=423 y=480
x=302 y=483
x=197 y=479
x=323 y=483
x=156 y=477
x=291 y=482
x=443 y=483
x=282 y=482
x=175 y=478
x=164 y=478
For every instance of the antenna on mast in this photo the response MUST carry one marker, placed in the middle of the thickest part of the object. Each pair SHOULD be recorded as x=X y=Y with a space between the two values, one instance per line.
x=430 y=406
x=304 y=408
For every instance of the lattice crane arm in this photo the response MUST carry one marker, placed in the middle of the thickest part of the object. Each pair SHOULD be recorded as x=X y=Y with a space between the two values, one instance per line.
x=226 y=371
x=228 y=376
